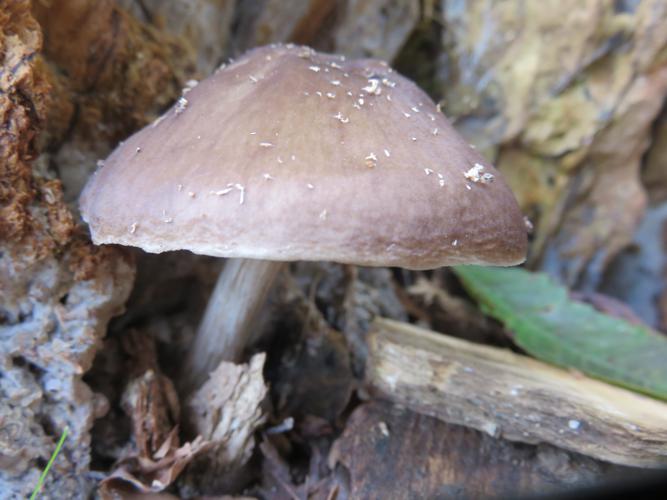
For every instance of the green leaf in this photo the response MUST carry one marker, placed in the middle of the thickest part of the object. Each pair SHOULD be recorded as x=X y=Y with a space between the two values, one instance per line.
x=552 y=327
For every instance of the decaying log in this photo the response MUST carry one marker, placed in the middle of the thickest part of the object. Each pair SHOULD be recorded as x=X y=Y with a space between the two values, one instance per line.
x=57 y=292
x=392 y=452
x=513 y=396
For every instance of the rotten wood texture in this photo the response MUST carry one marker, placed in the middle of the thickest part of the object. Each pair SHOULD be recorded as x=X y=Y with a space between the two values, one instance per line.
x=57 y=292
x=226 y=411
x=562 y=95
x=376 y=28
x=509 y=395
x=203 y=27
x=109 y=74
x=271 y=21
x=654 y=171
x=423 y=457
x=309 y=359
x=154 y=457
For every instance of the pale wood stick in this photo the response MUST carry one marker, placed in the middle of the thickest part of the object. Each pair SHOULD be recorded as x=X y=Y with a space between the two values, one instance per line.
x=513 y=396
x=227 y=326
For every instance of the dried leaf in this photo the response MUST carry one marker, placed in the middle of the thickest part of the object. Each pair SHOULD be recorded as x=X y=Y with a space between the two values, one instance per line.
x=155 y=460
x=152 y=404
x=154 y=474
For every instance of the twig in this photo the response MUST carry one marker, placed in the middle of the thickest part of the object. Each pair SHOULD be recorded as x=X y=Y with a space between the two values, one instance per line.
x=513 y=396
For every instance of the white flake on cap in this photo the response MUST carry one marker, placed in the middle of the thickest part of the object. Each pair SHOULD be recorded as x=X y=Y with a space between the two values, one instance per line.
x=477 y=174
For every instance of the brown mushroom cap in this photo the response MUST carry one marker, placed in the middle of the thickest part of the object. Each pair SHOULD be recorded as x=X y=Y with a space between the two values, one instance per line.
x=289 y=154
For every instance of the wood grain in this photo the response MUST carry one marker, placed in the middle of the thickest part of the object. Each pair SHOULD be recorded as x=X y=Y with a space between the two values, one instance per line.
x=392 y=452
x=513 y=396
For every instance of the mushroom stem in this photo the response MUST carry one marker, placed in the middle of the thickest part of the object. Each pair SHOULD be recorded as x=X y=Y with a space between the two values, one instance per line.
x=226 y=328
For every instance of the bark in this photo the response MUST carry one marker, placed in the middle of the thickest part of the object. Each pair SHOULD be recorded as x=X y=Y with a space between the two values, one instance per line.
x=509 y=395
x=392 y=452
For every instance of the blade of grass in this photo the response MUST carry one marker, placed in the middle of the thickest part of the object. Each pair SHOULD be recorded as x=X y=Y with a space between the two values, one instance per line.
x=50 y=463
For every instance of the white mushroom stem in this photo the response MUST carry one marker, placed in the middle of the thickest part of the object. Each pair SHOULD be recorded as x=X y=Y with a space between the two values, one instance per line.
x=227 y=326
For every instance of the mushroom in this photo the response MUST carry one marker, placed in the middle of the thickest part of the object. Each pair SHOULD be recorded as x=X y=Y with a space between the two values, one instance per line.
x=289 y=154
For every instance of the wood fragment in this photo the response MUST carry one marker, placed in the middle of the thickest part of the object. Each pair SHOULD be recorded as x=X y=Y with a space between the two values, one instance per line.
x=423 y=457
x=513 y=396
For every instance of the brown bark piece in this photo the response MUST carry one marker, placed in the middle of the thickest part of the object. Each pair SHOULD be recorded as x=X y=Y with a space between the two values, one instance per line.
x=509 y=395
x=226 y=411
x=392 y=452
x=274 y=21
x=110 y=74
x=654 y=172
x=310 y=359
x=204 y=26
x=151 y=402
x=376 y=28
x=23 y=96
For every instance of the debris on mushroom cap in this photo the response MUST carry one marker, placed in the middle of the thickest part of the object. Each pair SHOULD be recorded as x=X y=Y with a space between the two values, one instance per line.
x=373 y=86
x=477 y=174
x=181 y=104
x=317 y=118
